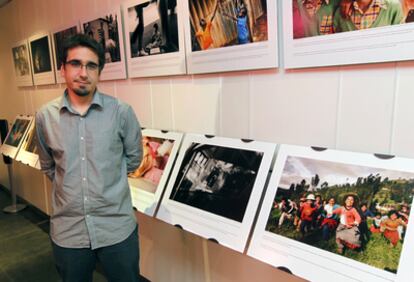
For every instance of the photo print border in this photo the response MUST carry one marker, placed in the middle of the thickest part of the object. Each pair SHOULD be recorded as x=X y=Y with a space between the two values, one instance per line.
x=233 y=54
x=24 y=76
x=301 y=254
x=112 y=70
x=16 y=136
x=203 y=160
x=315 y=46
x=154 y=157
x=43 y=67
x=168 y=49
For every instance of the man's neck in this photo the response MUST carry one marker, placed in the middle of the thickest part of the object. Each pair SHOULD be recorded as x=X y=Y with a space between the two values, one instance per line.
x=80 y=103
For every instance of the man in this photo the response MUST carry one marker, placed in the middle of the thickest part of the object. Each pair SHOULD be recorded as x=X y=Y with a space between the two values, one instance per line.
x=365 y=14
x=88 y=142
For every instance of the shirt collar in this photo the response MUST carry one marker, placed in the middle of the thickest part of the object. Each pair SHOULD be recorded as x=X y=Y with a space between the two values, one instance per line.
x=380 y=3
x=96 y=100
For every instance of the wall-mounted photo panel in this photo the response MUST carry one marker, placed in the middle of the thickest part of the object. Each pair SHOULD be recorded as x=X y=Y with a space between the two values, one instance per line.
x=215 y=187
x=21 y=61
x=16 y=136
x=41 y=59
x=333 y=215
x=28 y=152
x=154 y=37
x=148 y=182
x=59 y=36
x=230 y=35
x=326 y=33
x=107 y=30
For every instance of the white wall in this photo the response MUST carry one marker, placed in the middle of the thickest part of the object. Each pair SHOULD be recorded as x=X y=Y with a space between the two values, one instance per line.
x=361 y=108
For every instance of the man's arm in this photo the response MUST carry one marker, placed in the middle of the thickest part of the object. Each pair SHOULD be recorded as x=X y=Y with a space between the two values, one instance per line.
x=45 y=153
x=132 y=139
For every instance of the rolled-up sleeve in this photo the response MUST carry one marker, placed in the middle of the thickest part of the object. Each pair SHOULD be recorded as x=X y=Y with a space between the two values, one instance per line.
x=47 y=163
x=131 y=135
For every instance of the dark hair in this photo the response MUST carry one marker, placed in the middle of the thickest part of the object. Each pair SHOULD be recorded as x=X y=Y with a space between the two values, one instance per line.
x=83 y=40
x=391 y=212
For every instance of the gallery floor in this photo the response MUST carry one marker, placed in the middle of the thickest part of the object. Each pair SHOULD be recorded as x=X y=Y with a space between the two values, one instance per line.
x=25 y=251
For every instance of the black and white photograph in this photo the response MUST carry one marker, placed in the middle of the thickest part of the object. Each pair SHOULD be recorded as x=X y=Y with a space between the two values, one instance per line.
x=58 y=40
x=215 y=187
x=154 y=37
x=231 y=35
x=217 y=179
x=350 y=208
x=106 y=29
x=148 y=181
x=41 y=59
x=21 y=61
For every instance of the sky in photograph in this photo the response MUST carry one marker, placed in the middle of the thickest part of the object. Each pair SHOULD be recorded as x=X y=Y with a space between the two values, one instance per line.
x=298 y=168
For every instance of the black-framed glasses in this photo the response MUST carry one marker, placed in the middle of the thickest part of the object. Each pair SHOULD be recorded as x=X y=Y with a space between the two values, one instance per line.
x=77 y=65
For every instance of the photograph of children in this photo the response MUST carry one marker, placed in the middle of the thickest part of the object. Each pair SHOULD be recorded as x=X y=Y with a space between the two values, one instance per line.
x=321 y=17
x=105 y=31
x=41 y=55
x=221 y=23
x=217 y=179
x=17 y=132
x=354 y=211
x=153 y=28
x=156 y=155
x=59 y=38
x=21 y=60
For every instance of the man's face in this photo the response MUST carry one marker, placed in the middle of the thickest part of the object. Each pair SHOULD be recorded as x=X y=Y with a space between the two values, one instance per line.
x=81 y=80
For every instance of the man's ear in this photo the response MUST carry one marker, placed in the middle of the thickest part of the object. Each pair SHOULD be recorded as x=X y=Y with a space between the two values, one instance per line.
x=62 y=70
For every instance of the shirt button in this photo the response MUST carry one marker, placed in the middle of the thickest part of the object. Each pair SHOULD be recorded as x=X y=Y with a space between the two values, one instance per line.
x=83 y=159
x=84 y=179
x=86 y=198
x=87 y=215
x=81 y=137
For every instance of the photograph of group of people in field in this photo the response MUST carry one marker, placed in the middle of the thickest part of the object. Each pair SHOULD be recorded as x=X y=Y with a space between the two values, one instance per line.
x=322 y=17
x=355 y=211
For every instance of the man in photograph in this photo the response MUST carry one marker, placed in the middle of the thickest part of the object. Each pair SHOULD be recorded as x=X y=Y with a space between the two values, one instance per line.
x=365 y=14
x=88 y=143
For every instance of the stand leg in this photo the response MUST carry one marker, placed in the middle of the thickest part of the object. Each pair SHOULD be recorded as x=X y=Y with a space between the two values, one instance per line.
x=14 y=208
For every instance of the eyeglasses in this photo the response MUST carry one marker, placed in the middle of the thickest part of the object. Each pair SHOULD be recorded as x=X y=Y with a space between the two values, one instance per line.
x=77 y=65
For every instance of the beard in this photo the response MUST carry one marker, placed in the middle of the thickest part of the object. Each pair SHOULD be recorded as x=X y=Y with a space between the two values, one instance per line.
x=81 y=92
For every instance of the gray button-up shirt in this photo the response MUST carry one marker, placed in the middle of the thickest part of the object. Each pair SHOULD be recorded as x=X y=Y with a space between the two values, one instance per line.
x=87 y=158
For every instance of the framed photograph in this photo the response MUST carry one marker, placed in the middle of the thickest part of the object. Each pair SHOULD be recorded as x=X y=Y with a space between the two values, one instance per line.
x=21 y=61
x=59 y=37
x=333 y=215
x=326 y=33
x=107 y=30
x=28 y=152
x=230 y=35
x=154 y=37
x=148 y=181
x=41 y=59
x=215 y=187
x=16 y=136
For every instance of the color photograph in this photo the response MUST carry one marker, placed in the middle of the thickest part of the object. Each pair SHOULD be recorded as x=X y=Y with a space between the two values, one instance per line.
x=222 y=23
x=217 y=179
x=153 y=28
x=17 y=132
x=358 y=212
x=105 y=31
x=41 y=60
x=156 y=153
x=315 y=17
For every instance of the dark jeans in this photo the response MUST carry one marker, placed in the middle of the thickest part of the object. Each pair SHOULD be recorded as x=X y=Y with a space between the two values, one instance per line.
x=120 y=262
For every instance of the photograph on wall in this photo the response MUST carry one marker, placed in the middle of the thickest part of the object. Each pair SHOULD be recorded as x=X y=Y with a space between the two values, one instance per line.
x=215 y=187
x=355 y=213
x=41 y=59
x=154 y=36
x=28 y=153
x=148 y=181
x=239 y=28
x=322 y=30
x=15 y=136
x=107 y=31
x=22 y=70
x=59 y=38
